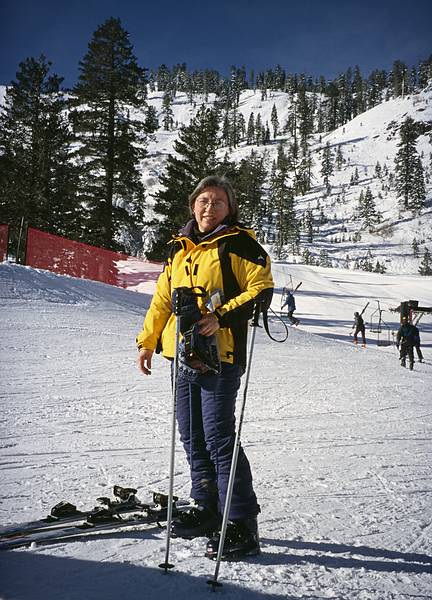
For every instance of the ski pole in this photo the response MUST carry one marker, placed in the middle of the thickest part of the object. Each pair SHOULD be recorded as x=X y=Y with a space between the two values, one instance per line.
x=214 y=582
x=177 y=311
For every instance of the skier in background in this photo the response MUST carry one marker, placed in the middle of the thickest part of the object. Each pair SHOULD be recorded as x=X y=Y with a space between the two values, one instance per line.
x=406 y=339
x=359 y=327
x=291 y=307
x=417 y=343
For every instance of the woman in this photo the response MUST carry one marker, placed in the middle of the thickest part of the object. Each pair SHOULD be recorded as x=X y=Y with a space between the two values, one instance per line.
x=213 y=253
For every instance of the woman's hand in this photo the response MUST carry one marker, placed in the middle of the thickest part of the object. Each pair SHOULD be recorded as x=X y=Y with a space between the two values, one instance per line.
x=208 y=324
x=144 y=361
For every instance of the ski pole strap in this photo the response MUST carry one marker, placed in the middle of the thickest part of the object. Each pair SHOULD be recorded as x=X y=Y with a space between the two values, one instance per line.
x=266 y=327
x=262 y=304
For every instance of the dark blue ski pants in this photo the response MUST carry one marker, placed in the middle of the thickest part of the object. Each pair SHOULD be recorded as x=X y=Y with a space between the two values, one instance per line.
x=206 y=421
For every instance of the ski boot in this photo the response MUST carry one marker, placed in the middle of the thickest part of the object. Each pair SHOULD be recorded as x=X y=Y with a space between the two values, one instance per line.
x=403 y=363
x=241 y=539
x=199 y=521
x=411 y=366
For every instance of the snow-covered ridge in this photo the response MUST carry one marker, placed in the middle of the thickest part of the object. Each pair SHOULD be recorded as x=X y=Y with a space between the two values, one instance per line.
x=370 y=138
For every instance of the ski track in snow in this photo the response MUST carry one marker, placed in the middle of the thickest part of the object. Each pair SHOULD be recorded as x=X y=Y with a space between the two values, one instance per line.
x=339 y=441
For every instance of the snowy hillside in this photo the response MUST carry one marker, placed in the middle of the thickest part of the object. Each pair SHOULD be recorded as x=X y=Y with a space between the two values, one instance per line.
x=339 y=440
x=368 y=139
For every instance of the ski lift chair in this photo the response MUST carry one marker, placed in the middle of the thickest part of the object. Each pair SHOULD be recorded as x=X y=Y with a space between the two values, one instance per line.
x=383 y=335
x=378 y=326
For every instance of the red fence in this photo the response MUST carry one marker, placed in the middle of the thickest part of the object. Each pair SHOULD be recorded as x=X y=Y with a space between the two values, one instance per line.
x=66 y=257
x=4 y=239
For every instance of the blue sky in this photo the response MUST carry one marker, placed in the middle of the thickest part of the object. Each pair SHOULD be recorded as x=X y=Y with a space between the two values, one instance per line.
x=311 y=36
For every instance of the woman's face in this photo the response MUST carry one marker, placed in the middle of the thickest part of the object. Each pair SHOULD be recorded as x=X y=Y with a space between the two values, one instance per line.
x=210 y=208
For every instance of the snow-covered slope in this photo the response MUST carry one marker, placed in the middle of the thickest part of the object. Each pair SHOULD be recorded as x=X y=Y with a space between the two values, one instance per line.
x=368 y=139
x=339 y=441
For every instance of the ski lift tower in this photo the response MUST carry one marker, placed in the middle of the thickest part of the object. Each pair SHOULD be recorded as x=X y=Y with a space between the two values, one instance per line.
x=412 y=311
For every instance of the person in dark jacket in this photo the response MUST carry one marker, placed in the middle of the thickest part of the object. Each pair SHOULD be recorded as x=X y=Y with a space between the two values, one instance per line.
x=213 y=253
x=417 y=343
x=291 y=306
x=359 y=327
x=405 y=340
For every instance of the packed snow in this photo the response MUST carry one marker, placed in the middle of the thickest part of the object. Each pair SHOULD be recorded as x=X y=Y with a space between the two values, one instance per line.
x=339 y=439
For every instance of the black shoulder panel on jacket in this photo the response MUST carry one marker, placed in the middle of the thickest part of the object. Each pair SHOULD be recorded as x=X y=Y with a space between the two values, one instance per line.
x=246 y=247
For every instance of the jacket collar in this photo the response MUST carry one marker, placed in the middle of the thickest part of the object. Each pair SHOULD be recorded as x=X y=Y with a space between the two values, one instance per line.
x=222 y=228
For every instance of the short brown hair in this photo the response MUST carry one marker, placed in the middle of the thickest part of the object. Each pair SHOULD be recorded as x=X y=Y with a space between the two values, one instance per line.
x=219 y=182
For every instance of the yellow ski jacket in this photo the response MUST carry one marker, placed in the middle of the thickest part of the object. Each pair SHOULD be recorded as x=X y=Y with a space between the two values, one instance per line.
x=230 y=261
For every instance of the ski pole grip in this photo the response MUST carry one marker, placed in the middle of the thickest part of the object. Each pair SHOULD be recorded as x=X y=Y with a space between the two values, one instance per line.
x=176 y=301
x=256 y=314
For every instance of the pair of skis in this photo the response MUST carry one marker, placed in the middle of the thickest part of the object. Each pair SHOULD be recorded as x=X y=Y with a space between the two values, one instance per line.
x=66 y=522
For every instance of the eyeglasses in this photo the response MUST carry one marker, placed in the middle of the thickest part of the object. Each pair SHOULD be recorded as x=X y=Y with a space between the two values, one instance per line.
x=205 y=202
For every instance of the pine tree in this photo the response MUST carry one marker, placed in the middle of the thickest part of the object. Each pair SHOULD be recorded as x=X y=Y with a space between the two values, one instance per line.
x=196 y=147
x=307 y=258
x=226 y=133
x=168 y=116
x=419 y=189
x=303 y=178
x=426 y=263
x=358 y=96
x=283 y=202
x=415 y=248
x=322 y=218
x=259 y=131
x=365 y=263
x=303 y=114
x=355 y=177
x=324 y=259
x=266 y=133
x=250 y=189
x=241 y=127
x=379 y=268
x=274 y=121
x=408 y=168
x=163 y=78
x=309 y=225
x=235 y=127
x=339 y=158
x=250 y=132
x=151 y=123
x=37 y=177
x=398 y=79
x=112 y=142
x=367 y=210
x=327 y=167
x=425 y=72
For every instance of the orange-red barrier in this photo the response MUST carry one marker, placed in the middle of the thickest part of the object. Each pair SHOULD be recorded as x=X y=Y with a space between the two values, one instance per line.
x=4 y=239
x=66 y=257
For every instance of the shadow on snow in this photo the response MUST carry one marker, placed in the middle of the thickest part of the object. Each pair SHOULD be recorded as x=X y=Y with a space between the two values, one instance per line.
x=395 y=562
